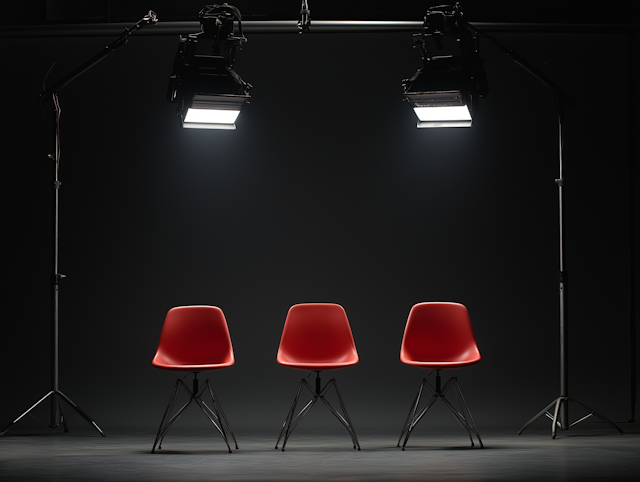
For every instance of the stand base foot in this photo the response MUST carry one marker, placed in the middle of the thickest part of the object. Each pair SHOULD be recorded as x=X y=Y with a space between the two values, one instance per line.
x=555 y=424
x=59 y=418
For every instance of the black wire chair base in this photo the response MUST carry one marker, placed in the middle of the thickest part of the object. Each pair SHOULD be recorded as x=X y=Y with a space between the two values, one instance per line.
x=60 y=418
x=463 y=416
x=554 y=418
x=290 y=423
x=216 y=415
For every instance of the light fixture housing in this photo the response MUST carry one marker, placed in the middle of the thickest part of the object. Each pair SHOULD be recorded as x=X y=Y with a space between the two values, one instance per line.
x=209 y=94
x=445 y=91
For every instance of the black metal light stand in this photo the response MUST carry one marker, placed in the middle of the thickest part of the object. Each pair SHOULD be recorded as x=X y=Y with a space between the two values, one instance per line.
x=57 y=415
x=560 y=416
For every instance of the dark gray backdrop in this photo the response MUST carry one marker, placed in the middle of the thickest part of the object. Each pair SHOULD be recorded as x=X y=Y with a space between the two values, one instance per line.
x=326 y=192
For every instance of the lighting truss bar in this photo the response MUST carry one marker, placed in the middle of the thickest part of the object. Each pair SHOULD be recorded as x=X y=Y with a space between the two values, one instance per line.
x=291 y=26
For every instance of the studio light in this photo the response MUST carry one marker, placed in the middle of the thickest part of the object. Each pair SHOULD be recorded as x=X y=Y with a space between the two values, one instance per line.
x=440 y=109
x=213 y=112
x=208 y=92
x=445 y=91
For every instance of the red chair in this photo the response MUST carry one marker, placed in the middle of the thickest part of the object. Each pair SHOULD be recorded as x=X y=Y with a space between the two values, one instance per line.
x=439 y=336
x=317 y=337
x=194 y=339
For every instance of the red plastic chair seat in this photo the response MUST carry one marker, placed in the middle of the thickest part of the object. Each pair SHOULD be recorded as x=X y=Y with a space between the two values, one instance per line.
x=439 y=336
x=194 y=339
x=317 y=336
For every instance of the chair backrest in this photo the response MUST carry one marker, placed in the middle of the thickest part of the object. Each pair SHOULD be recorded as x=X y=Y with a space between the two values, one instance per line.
x=194 y=335
x=439 y=333
x=317 y=333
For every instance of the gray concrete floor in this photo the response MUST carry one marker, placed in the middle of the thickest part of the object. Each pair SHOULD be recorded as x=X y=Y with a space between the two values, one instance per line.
x=592 y=452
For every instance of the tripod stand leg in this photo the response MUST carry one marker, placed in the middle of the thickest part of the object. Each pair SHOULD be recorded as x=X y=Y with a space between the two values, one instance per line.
x=596 y=414
x=63 y=419
x=554 y=423
x=82 y=413
x=11 y=424
x=540 y=414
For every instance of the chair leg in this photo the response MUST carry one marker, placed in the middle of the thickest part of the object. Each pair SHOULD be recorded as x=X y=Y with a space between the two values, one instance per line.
x=290 y=423
x=473 y=422
x=287 y=420
x=346 y=421
x=218 y=408
x=463 y=416
x=178 y=414
x=417 y=418
x=166 y=414
x=212 y=418
x=457 y=415
x=213 y=415
x=167 y=422
x=412 y=411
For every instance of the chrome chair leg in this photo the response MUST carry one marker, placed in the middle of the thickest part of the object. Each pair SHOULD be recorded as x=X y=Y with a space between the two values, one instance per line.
x=293 y=422
x=287 y=421
x=194 y=396
x=167 y=412
x=290 y=423
x=412 y=411
x=349 y=427
x=463 y=416
x=218 y=407
x=472 y=426
x=212 y=418
x=168 y=423
x=460 y=418
x=417 y=418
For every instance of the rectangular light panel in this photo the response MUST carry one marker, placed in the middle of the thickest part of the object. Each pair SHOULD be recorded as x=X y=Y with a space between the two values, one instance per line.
x=440 y=109
x=443 y=116
x=211 y=118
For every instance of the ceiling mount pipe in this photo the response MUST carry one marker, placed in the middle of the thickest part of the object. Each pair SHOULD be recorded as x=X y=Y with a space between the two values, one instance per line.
x=291 y=26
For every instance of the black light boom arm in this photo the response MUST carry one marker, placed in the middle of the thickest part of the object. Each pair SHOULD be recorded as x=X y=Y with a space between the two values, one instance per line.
x=562 y=94
x=149 y=18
